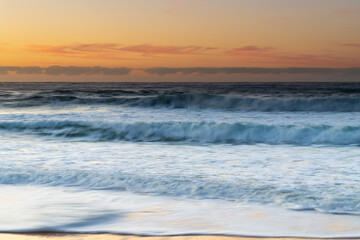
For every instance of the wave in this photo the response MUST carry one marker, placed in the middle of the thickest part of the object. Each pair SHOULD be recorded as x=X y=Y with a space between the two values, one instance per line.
x=194 y=132
x=189 y=100
x=266 y=104
x=304 y=198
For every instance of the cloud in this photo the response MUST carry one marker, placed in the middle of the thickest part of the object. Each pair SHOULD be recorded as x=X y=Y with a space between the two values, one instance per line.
x=263 y=55
x=20 y=70
x=113 y=50
x=168 y=50
x=249 y=54
x=250 y=49
x=87 y=71
x=74 y=49
x=94 y=51
x=352 y=45
x=65 y=70
x=244 y=70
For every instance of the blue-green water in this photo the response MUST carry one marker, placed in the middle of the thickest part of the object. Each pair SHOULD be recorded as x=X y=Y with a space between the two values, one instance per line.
x=160 y=158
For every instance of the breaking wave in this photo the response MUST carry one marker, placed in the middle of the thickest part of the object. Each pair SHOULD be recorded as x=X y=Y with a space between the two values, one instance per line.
x=191 y=100
x=304 y=198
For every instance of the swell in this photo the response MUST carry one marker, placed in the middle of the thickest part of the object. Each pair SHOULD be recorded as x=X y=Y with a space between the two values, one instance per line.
x=194 y=132
x=188 y=100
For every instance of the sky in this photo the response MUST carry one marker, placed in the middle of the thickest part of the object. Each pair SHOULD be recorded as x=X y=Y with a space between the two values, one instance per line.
x=179 y=40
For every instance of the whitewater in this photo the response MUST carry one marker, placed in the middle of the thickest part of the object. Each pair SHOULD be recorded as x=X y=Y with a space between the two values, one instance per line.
x=249 y=159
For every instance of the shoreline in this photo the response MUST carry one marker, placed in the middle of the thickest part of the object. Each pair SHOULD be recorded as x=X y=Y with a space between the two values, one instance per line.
x=113 y=236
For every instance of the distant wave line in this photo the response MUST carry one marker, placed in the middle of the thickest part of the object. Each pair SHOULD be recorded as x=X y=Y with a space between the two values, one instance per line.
x=172 y=100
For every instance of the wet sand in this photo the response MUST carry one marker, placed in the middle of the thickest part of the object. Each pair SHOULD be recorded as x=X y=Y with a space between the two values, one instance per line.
x=57 y=236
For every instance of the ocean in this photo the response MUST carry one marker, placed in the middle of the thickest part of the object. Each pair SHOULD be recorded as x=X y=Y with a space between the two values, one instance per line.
x=249 y=159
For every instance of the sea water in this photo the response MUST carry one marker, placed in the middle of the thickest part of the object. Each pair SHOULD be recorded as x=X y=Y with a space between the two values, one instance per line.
x=259 y=159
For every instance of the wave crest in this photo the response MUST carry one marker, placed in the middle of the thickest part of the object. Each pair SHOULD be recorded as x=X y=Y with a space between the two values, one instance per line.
x=196 y=132
x=193 y=100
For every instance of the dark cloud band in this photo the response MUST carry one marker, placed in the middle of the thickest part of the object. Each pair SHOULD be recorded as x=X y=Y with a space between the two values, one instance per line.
x=242 y=70
x=68 y=70
x=77 y=71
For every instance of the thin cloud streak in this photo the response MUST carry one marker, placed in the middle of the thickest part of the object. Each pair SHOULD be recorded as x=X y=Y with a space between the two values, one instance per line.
x=250 y=49
x=113 y=50
x=273 y=55
x=165 y=50
x=261 y=55
x=351 y=45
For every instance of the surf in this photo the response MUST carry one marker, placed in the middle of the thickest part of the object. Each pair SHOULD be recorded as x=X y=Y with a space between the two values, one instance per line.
x=191 y=132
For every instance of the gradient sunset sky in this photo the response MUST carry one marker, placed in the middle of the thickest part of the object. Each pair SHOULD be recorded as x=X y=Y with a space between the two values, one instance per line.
x=179 y=40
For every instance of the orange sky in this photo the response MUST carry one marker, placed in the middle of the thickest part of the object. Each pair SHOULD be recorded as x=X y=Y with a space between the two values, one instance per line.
x=142 y=34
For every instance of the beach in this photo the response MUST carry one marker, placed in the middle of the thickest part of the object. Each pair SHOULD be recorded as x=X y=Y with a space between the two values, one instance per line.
x=128 y=237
